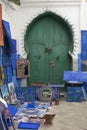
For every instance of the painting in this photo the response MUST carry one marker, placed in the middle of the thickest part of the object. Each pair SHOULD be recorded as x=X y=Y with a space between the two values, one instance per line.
x=28 y=94
x=12 y=93
x=46 y=93
x=5 y=93
x=23 y=68
x=1 y=76
x=74 y=94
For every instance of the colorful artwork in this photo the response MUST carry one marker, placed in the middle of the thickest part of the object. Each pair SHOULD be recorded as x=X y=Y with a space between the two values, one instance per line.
x=12 y=92
x=26 y=93
x=74 y=94
x=5 y=93
x=1 y=76
x=23 y=68
x=46 y=93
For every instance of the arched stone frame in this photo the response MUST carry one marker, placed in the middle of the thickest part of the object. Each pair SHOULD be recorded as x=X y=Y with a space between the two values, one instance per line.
x=74 y=54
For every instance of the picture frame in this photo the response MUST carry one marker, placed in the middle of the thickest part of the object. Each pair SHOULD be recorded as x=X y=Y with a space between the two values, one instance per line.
x=5 y=93
x=12 y=93
x=46 y=94
x=23 y=68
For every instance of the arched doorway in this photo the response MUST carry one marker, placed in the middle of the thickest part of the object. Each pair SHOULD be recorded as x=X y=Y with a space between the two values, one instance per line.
x=47 y=41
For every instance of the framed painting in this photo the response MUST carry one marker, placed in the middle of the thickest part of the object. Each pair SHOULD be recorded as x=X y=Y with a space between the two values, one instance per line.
x=5 y=93
x=23 y=68
x=12 y=93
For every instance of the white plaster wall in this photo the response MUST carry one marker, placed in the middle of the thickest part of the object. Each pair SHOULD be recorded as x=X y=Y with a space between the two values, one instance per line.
x=26 y=14
x=20 y=16
x=4 y=14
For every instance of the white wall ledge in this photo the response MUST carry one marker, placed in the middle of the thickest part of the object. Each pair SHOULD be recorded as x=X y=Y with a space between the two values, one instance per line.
x=50 y=2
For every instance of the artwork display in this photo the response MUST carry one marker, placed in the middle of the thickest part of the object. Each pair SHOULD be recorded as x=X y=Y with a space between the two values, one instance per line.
x=46 y=93
x=1 y=76
x=23 y=68
x=34 y=93
x=28 y=93
x=12 y=92
x=74 y=94
x=5 y=93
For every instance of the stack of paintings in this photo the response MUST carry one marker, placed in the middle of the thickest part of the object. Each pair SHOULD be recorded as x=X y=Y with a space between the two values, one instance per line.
x=8 y=93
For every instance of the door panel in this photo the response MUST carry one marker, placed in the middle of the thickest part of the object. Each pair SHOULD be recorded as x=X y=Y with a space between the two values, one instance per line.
x=48 y=47
x=58 y=63
x=37 y=60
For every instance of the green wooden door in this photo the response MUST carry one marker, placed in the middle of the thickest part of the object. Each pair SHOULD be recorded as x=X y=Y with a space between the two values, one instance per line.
x=59 y=61
x=48 y=43
x=37 y=63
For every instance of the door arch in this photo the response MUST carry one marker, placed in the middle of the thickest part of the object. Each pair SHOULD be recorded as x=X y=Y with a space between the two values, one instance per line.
x=47 y=41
